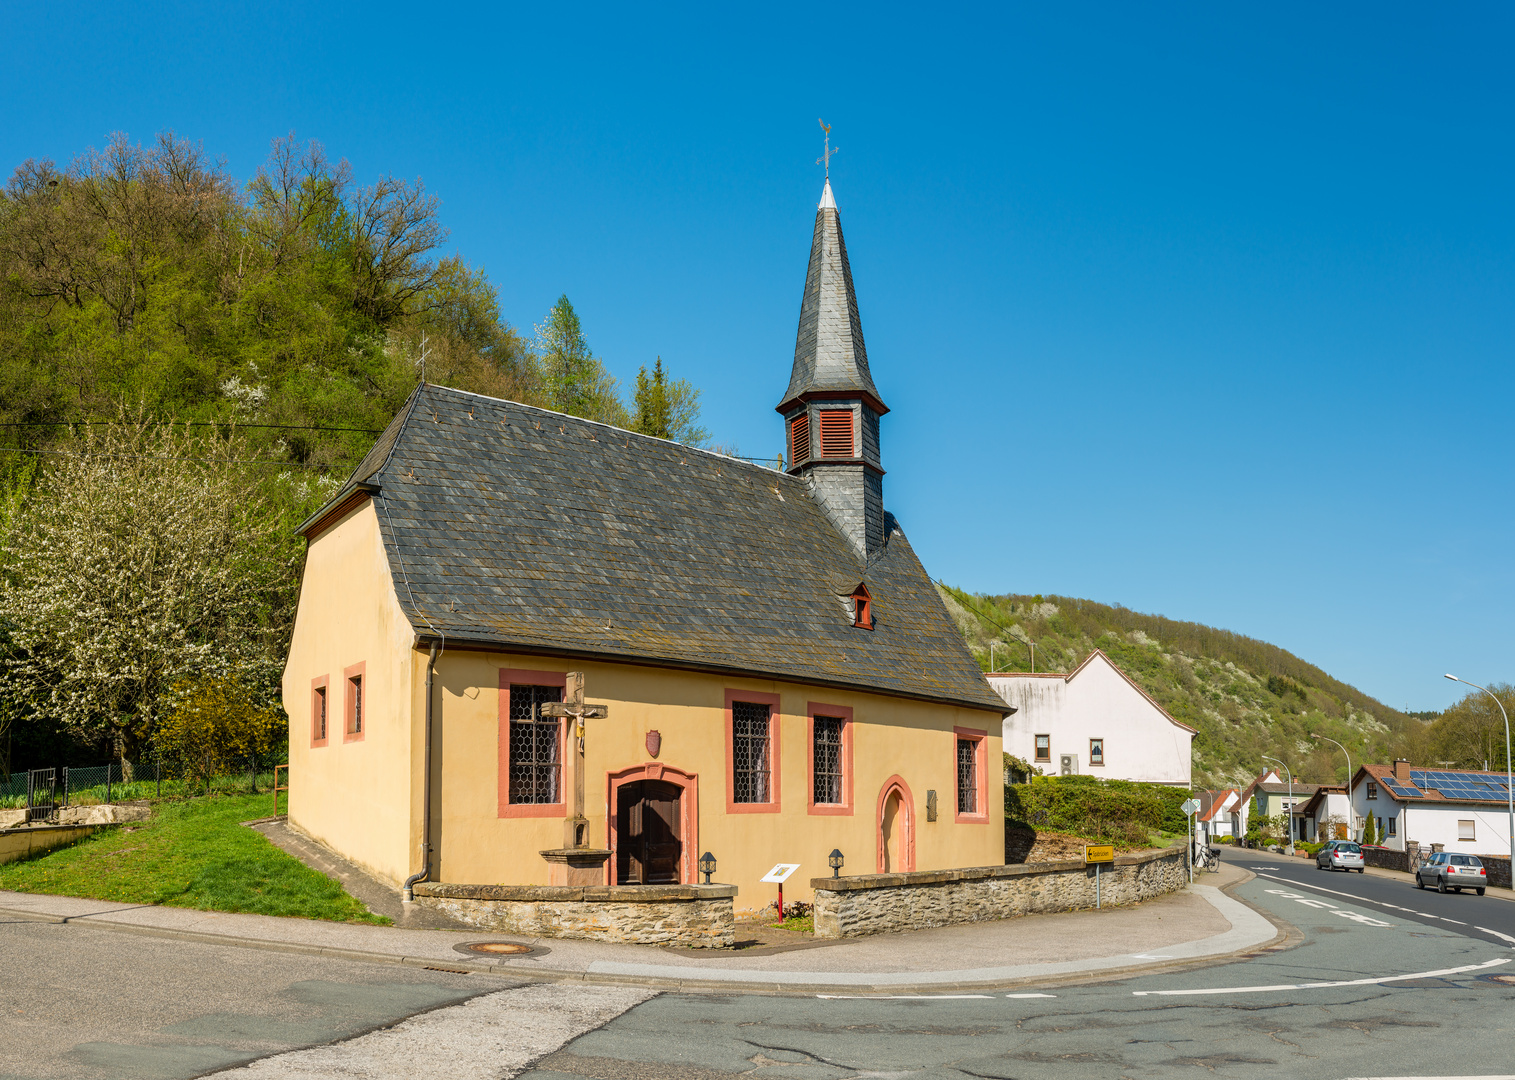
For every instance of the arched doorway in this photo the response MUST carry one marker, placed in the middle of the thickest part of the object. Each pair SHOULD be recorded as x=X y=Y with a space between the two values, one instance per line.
x=653 y=825
x=896 y=828
x=649 y=847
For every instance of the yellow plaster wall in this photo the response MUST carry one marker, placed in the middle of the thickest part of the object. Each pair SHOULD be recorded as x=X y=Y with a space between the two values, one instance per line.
x=891 y=736
x=361 y=797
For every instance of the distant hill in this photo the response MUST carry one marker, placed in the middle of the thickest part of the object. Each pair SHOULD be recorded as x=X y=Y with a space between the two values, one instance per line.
x=1246 y=697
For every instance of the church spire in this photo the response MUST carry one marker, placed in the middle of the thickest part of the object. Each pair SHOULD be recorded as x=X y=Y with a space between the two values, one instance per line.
x=829 y=355
x=831 y=410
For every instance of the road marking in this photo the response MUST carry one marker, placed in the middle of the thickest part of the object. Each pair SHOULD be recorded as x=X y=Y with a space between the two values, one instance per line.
x=1321 y=985
x=906 y=997
x=1030 y=995
x=1496 y=933
x=1481 y=1076
x=1361 y=899
x=1149 y=956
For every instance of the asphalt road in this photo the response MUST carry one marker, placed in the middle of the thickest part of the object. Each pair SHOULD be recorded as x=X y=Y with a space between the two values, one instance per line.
x=102 y=1005
x=1387 y=982
x=1256 y=1018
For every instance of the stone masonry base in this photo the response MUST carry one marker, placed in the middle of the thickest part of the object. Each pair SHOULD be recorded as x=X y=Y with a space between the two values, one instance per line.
x=692 y=916
x=884 y=903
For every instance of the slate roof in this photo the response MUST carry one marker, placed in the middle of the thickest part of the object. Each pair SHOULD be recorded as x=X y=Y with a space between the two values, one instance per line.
x=829 y=354
x=515 y=527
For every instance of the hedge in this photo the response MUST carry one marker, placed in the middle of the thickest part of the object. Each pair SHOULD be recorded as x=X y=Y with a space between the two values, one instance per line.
x=1116 y=811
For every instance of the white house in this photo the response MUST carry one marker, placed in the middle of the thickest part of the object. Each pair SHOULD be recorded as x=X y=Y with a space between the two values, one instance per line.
x=1241 y=812
x=1217 y=813
x=1327 y=813
x=1096 y=721
x=1462 y=810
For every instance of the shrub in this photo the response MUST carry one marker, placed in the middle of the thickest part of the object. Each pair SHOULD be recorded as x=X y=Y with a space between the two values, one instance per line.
x=1115 y=811
x=215 y=725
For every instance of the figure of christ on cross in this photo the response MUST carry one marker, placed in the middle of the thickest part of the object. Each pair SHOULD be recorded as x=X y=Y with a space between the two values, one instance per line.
x=573 y=708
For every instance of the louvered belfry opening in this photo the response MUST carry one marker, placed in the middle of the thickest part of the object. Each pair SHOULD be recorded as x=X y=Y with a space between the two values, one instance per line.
x=836 y=433
x=799 y=439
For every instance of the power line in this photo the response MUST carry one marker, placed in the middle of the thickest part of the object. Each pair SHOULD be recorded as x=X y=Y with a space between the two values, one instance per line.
x=158 y=457
x=187 y=423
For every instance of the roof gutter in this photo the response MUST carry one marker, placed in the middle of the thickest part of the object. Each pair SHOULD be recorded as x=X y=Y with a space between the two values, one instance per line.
x=407 y=891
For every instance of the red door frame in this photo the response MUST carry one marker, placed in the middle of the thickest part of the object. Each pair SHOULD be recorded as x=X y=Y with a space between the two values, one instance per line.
x=689 y=813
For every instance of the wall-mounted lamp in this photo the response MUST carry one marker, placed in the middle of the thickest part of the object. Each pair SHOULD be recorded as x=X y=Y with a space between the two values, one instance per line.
x=834 y=860
x=707 y=866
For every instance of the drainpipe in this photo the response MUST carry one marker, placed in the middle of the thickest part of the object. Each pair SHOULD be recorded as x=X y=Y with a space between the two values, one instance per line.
x=407 y=892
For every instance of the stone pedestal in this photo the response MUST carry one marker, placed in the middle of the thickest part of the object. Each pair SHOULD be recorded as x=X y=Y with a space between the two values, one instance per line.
x=576 y=866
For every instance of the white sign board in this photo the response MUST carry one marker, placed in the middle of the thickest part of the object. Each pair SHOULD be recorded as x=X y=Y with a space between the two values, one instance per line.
x=780 y=873
x=1190 y=806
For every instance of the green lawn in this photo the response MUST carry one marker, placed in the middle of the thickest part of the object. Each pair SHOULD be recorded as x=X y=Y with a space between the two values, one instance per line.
x=194 y=854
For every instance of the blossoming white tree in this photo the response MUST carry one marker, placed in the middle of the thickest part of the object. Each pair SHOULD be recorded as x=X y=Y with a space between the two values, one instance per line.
x=143 y=558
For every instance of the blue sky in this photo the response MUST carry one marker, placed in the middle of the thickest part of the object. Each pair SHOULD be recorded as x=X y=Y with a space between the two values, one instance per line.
x=1202 y=309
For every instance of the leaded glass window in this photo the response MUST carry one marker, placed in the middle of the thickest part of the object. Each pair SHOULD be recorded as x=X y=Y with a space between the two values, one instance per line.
x=751 y=769
x=828 y=759
x=967 y=776
x=535 y=768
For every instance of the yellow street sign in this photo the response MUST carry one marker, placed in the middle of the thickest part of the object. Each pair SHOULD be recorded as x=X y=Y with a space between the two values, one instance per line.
x=1099 y=853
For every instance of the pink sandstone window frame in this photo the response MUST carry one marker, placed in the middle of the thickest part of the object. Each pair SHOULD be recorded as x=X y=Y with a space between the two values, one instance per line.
x=896 y=783
x=980 y=739
x=689 y=813
x=506 y=808
x=844 y=714
x=320 y=696
x=775 y=803
x=354 y=705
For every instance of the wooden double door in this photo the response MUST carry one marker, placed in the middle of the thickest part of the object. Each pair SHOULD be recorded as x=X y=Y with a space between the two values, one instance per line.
x=649 y=848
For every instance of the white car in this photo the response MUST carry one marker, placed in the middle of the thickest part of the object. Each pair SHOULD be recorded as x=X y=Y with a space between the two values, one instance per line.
x=1448 y=871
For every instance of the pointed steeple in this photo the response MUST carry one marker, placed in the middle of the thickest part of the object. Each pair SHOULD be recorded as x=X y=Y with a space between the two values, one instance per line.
x=831 y=410
x=830 y=358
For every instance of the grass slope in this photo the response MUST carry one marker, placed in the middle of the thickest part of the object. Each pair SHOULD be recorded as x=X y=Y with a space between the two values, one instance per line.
x=191 y=854
x=1246 y=697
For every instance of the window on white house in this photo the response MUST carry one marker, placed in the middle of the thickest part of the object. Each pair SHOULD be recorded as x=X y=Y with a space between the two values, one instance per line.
x=1096 y=751
x=1466 y=830
x=1044 y=748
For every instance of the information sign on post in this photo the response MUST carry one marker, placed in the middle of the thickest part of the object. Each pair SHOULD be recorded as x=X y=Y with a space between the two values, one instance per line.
x=1190 y=808
x=1096 y=855
x=780 y=874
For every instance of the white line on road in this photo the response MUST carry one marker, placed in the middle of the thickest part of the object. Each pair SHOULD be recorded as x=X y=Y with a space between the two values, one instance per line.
x=1481 y=1076
x=902 y=997
x=1322 y=985
x=1365 y=900
x=1030 y=995
x=1496 y=933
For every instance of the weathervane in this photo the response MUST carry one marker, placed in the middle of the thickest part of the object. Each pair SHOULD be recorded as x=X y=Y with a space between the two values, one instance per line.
x=825 y=159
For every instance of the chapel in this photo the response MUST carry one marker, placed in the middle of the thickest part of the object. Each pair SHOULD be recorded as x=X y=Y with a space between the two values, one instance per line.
x=533 y=649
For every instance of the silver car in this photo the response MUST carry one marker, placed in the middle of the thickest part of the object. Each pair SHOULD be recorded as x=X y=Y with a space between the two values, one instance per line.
x=1448 y=871
x=1340 y=855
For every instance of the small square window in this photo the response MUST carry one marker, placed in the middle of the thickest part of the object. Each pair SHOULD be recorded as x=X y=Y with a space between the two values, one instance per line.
x=1044 y=748
x=1372 y=790
x=1466 y=830
x=862 y=608
x=1096 y=751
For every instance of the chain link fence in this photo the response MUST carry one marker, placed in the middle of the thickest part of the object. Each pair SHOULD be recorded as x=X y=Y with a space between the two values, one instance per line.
x=118 y=781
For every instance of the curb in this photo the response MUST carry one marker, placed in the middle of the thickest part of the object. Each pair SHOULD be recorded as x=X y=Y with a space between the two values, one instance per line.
x=1286 y=937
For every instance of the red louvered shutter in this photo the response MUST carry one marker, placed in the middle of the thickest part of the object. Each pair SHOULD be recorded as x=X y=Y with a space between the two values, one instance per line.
x=799 y=439
x=836 y=433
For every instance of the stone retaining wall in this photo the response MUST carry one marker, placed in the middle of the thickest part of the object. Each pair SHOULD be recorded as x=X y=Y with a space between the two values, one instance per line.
x=1386 y=858
x=32 y=840
x=1499 y=869
x=884 y=903
x=694 y=916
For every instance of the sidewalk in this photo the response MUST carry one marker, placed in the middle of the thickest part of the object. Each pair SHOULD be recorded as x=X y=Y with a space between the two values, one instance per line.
x=1196 y=926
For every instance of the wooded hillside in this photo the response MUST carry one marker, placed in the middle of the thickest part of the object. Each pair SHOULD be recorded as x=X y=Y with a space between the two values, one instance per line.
x=1246 y=697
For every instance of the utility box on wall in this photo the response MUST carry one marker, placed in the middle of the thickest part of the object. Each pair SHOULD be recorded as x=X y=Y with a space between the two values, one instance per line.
x=1069 y=765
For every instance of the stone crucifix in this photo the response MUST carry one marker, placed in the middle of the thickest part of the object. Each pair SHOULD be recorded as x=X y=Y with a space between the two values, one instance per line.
x=574 y=709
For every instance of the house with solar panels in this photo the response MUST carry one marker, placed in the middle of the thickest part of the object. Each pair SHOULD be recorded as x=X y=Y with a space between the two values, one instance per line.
x=1460 y=809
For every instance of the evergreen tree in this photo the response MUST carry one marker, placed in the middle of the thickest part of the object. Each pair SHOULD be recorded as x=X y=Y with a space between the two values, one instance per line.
x=667 y=408
x=1369 y=832
x=574 y=380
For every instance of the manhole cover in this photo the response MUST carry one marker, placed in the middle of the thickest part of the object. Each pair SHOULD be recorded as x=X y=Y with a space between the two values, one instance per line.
x=1507 y=980
x=498 y=948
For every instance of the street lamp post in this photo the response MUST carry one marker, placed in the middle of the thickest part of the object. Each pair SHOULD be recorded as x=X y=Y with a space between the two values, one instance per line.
x=1350 y=814
x=1509 y=775
x=1290 y=814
